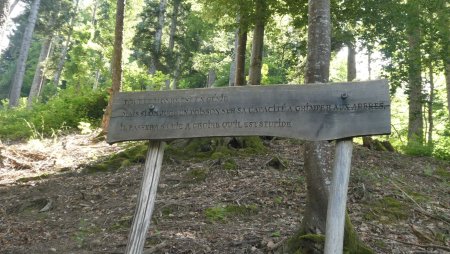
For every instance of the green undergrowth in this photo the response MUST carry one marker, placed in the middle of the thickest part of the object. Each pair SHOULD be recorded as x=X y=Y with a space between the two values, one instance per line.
x=387 y=210
x=221 y=213
x=197 y=175
x=201 y=149
x=134 y=154
x=60 y=113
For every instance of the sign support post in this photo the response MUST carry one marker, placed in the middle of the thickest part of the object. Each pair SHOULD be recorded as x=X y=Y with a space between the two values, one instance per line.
x=334 y=237
x=146 y=198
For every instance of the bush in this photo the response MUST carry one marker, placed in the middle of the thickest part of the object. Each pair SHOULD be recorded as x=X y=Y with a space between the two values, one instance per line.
x=416 y=149
x=62 y=112
x=442 y=148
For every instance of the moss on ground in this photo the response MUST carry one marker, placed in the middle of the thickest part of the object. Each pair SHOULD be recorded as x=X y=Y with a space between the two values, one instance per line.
x=223 y=212
x=387 y=210
x=201 y=149
x=132 y=155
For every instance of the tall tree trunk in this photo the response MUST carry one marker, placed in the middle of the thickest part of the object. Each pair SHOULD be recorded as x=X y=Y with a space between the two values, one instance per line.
x=317 y=155
x=240 y=58
x=258 y=43
x=430 y=106
x=94 y=14
x=158 y=37
x=447 y=80
x=369 y=63
x=232 y=77
x=211 y=77
x=415 y=102
x=17 y=83
x=351 y=62
x=173 y=24
x=116 y=62
x=38 y=79
x=65 y=49
x=443 y=26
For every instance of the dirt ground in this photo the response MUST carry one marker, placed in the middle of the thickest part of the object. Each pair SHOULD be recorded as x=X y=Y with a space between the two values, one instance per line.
x=397 y=203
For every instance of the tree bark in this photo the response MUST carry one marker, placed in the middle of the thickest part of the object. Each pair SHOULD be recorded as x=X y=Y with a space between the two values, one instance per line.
x=116 y=62
x=17 y=83
x=232 y=77
x=38 y=79
x=447 y=80
x=369 y=63
x=443 y=26
x=430 y=106
x=211 y=77
x=65 y=49
x=415 y=120
x=317 y=155
x=258 y=44
x=173 y=24
x=240 y=58
x=158 y=37
x=351 y=62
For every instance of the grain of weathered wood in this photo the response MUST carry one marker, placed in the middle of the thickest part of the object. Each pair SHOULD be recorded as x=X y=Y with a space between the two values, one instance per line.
x=310 y=112
x=146 y=198
x=334 y=238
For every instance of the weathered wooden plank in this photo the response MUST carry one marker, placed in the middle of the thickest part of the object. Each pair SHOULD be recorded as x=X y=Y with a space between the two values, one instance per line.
x=310 y=112
x=334 y=238
x=146 y=198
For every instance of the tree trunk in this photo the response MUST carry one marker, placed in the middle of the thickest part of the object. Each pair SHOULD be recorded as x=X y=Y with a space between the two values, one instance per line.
x=116 y=62
x=62 y=59
x=176 y=74
x=317 y=155
x=351 y=62
x=17 y=83
x=232 y=77
x=38 y=79
x=430 y=106
x=258 y=44
x=211 y=77
x=94 y=14
x=158 y=37
x=447 y=80
x=415 y=120
x=240 y=58
x=369 y=63
x=443 y=26
x=173 y=24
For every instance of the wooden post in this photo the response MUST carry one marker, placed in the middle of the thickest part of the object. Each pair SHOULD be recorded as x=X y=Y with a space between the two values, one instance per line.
x=334 y=238
x=146 y=198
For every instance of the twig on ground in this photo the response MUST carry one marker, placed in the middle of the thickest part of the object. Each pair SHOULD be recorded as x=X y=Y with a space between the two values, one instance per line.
x=408 y=196
x=425 y=246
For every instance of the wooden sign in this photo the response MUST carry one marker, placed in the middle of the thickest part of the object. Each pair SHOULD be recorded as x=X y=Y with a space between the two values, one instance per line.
x=309 y=112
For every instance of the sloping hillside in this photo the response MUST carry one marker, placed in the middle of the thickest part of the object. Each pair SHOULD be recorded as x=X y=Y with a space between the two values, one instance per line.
x=55 y=198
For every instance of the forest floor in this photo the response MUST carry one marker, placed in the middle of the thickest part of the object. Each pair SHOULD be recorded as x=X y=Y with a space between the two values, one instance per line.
x=240 y=204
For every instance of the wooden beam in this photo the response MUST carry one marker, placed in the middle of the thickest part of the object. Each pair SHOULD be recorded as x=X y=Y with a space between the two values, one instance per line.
x=334 y=238
x=146 y=198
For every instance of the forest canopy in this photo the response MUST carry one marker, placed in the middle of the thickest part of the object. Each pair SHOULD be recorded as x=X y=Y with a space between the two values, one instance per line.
x=56 y=69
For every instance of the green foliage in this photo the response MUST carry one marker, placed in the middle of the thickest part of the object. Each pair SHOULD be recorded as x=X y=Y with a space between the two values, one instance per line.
x=62 y=112
x=442 y=148
x=223 y=212
x=197 y=175
x=416 y=149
